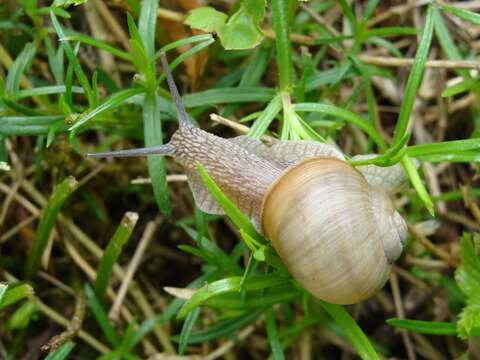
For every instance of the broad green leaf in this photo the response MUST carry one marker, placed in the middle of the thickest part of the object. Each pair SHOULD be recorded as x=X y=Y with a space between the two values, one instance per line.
x=467 y=274
x=467 y=277
x=469 y=323
x=240 y=32
x=255 y=8
x=206 y=18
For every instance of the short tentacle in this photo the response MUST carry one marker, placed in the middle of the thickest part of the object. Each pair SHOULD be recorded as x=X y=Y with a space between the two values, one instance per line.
x=182 y=114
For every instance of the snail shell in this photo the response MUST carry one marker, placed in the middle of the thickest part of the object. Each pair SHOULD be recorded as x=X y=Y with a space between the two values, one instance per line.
x=325 y=224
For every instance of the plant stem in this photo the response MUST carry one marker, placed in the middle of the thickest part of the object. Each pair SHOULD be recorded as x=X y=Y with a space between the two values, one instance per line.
x=282 y=44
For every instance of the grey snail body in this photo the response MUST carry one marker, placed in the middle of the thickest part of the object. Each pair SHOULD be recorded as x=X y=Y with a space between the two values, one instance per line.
x=333 y=225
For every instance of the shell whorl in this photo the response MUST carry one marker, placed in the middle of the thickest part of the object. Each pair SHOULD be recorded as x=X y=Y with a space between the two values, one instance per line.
x=320 y=218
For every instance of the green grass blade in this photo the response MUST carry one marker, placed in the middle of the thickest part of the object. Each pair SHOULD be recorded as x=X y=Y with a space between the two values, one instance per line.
x=345 y=115
x=152 y=129
x=390 y=31
x=85 y=39
x=442 y=33
x=183 y=42
x=213 y=252
x=446 y=147
x=56 y=62
x=348 y=12
x=263 y=121
x=352 y=331
x=62 y=352
x=13 y=294
x=101 y=316
x=228 y=95
x=459 y=88
x=417 y=183
x=22 y=316
x=72 y=57
x=415 y=78
x=425 y=327
x=147 y=25
x=112 y=252
x=47 y=221
x=273 y=337
x=222 y=328
x=185 y=55
x=238 y=218
x=228 y=285
x=142 y=331
x=47 y=90
x=114 y=100
x=327 y=77
x=467 y=157
x=187 y=330
x=464 y=14
x=19 y=67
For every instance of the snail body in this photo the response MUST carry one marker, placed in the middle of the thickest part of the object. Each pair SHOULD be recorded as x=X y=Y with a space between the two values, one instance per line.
x=334 y=226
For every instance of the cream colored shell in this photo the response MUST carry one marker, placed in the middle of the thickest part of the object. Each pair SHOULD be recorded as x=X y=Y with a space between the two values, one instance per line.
x=320 y=219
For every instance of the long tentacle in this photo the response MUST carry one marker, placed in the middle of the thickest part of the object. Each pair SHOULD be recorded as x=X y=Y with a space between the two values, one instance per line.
x=166 y=149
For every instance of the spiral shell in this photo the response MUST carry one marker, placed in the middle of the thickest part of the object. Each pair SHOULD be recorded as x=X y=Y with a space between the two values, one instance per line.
x=326 y=225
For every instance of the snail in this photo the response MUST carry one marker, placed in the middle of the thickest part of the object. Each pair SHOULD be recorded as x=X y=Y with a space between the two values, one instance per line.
x=333 y=225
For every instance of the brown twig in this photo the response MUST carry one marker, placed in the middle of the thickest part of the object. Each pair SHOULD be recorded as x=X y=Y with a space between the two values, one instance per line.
x=72 y=329
x=434 y=249
x=238 y=127
x=132 y=268
x=401 y=314
x=470 y=203
x=395 y=62
x=59 y=319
